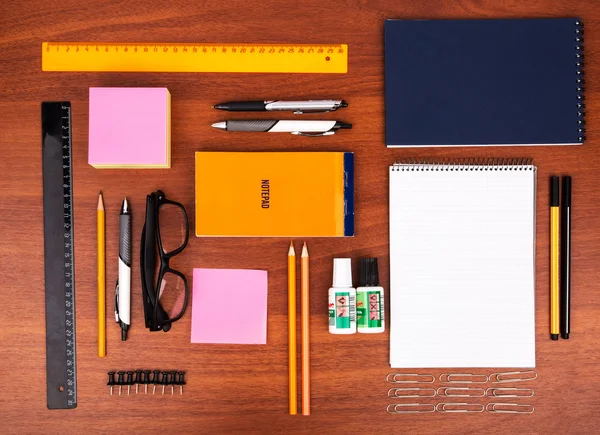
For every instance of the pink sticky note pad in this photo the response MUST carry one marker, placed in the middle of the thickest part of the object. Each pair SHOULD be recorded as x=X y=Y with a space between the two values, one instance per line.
x=129 y=127
x=229 y=306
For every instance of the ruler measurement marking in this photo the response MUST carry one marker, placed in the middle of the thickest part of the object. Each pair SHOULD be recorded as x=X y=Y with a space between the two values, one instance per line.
x=71 y=386
x=241 y=49
x=68 y=47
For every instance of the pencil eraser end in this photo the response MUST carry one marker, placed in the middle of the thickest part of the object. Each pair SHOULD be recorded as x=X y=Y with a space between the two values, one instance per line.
x=554 y=336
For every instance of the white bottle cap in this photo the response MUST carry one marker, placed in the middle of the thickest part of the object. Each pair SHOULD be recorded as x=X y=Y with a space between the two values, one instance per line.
x=342 y=272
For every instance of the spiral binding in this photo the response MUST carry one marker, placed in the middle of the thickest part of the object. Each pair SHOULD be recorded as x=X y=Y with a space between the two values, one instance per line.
x=465 y=164
x=580 y=81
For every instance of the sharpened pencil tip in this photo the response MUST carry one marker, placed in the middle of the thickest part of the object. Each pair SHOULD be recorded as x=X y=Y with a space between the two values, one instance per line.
x=304 y=250
x=100 y=202
x=291 y=251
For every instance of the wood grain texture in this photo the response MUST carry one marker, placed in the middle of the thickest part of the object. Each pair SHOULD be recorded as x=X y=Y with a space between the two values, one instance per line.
x=234 y=389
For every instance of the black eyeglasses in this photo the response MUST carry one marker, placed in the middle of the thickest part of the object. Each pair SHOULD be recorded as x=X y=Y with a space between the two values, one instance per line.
x=165 y=234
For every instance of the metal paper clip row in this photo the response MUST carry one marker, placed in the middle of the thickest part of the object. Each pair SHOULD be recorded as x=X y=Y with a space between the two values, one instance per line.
x=449 y=407
x=461 y=378
x=411 y=393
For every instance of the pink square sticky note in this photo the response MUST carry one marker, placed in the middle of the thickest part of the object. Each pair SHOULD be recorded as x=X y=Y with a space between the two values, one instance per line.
x=229 y=306
x=129 y=128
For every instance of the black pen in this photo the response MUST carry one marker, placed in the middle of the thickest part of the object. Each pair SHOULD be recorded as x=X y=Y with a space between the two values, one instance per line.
x=298 y=107
x=565 y=258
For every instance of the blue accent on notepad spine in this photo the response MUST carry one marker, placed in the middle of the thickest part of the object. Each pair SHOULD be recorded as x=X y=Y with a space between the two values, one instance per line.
x=348 y=194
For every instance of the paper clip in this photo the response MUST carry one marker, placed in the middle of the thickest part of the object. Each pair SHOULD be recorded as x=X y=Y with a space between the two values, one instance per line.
x=509 y=408
x=451 y=378
x=460 y=392
x=400 y=393
x=528 y=375
x=410 y=408
x=509 y=392
x=459 y=407
x=401 y=378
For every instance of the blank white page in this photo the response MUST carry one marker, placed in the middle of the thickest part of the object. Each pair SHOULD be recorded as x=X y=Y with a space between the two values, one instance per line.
x=462 y=265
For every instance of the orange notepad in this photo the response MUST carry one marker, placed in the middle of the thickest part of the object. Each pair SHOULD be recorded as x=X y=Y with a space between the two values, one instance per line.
x=278 y=194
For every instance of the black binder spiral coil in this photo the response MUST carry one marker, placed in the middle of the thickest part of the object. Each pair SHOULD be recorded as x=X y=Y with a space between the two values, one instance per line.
x=580 y=81
x=464 y=164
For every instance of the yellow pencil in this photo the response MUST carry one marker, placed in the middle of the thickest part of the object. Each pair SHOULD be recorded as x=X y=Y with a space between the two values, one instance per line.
x=293 y=392
x=554 y=204
x=305 y=331
x=101 y=280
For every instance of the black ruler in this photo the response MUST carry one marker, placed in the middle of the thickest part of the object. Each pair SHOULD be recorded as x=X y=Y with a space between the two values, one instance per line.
x=61 y=380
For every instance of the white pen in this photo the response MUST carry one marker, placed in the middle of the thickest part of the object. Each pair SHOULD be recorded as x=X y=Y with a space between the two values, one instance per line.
x=123 y=290
x=304 y=128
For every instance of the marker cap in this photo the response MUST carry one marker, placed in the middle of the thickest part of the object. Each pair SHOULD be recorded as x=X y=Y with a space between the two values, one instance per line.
x=566 y=191
x=342 y=272
x=554 y=192
x=369 y=275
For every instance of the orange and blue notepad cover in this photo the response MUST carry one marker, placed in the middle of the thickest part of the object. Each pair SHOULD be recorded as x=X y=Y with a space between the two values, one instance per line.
x=275 y=194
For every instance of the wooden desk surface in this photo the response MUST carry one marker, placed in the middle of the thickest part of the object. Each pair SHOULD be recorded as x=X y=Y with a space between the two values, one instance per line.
x=244 y=388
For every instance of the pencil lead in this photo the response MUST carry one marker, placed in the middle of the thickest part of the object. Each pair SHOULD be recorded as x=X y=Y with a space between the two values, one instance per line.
x=304 y=250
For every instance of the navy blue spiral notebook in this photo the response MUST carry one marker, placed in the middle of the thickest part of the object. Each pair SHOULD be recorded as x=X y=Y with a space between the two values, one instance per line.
x=484 y=82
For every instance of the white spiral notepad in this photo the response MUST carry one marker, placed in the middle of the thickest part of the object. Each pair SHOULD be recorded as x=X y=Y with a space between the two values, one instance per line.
x=462 y=264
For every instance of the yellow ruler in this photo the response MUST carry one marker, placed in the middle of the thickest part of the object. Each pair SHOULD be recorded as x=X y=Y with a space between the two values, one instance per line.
x=166 y=57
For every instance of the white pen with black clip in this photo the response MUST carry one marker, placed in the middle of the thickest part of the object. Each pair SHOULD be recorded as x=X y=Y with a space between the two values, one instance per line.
x=304 y=128
x=123 y=289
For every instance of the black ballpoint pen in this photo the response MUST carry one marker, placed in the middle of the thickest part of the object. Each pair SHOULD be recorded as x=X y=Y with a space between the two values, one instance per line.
x=565 y=259
x=308 y=106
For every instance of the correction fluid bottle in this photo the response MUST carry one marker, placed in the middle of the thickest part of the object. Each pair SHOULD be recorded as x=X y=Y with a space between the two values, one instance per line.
x=369 y=299
x=342 y=299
